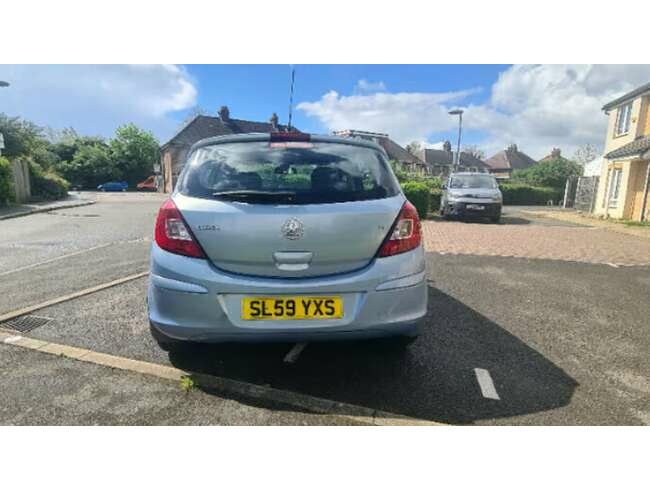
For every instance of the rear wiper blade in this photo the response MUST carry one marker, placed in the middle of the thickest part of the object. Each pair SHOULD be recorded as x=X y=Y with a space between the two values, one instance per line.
x=256 y=195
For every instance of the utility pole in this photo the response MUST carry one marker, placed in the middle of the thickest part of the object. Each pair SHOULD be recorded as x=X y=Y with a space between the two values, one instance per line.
x=459 y=113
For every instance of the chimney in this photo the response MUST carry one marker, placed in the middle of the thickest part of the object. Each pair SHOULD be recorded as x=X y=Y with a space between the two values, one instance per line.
x=274 y=121
x=512 y=148
x=447 y=146
x=556 y=153
x=224 y=113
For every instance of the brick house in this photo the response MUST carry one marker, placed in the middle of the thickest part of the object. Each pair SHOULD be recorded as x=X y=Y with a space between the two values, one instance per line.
x=174 y=152
x=503 y=163
x=406 y=161
x=440 y=163
x=556 y=154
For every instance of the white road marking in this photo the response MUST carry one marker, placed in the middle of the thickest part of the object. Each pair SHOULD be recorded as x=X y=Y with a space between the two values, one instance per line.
x=60 y=257
x=72 y=254
x=29 y=309
x=295 y=351
x=11 y=340
x=485 y=382
x=612 y=265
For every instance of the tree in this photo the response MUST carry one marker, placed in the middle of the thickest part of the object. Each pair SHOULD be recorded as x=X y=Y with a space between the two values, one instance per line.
x=26 y=139
x=474 y=150
x=134 y=153
x=192 y=113
x=413 y=147
x=68 y=147
x=585 y=154
x=550 y=173
x=92 y=165
x=61 y=135
x=21 y=136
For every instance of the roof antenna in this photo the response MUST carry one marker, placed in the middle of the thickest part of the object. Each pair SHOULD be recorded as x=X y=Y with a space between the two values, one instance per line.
x=293 y=77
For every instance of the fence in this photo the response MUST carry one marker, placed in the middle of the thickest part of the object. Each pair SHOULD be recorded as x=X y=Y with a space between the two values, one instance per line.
x=580 y=193
x=22 y=184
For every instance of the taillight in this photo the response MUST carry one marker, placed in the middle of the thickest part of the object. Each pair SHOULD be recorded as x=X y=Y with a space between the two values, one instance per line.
x=172 y=233
x=405 y=235
x=289 y=136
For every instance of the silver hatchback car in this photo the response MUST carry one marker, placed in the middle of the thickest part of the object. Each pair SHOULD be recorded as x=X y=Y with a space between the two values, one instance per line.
x=288 y=237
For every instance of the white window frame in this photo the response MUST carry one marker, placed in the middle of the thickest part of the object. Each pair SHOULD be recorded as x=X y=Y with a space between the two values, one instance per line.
x=623 y=119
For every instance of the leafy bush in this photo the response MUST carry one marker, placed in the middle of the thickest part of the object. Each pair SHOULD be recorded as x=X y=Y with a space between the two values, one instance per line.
x=434 y=199
x=431 y=182
x=296 y=181
x=524 y=194
x=401 y=175
x=47 y=184
x=418 y=194
x=6 y=182
x=551 y=173
x=91 y=166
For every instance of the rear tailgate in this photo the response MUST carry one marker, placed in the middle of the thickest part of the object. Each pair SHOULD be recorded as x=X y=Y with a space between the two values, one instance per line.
x=290 y=240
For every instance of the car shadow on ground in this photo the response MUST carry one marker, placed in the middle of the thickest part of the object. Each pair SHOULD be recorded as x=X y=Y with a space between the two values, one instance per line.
x=433 y=379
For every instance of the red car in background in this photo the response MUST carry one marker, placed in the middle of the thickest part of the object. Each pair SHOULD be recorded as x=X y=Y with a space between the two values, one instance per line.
x=149 y=184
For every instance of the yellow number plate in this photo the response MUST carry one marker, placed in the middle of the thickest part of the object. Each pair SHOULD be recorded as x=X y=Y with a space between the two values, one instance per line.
x=292 y=308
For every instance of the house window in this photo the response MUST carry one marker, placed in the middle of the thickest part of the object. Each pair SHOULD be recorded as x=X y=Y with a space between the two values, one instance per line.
x=623 y=119
x=614 y=186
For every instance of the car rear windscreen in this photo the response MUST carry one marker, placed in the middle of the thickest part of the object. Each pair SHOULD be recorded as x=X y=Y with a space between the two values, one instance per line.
x=287 y=172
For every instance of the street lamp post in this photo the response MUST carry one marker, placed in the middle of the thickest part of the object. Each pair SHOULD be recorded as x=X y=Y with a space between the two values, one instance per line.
x=459 y=113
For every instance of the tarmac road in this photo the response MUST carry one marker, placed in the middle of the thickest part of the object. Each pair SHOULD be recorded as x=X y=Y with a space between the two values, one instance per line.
x=557 y=342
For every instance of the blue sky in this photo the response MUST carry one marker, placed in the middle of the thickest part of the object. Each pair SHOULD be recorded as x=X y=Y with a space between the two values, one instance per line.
x=233 y=84
x=539 y=107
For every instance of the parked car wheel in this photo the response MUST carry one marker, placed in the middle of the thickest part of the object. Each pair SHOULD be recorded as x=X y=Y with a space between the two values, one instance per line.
x=495 y=219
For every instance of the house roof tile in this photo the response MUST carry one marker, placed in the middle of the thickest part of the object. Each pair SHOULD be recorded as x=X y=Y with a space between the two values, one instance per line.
x=628 y=96
x=207 y=126
x=510 y=159
x=443 y=157
x=636 y=147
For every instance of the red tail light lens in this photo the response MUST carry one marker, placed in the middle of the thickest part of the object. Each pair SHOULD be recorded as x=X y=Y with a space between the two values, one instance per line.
x=290 y=136
x=406 y=233
x=173 y=234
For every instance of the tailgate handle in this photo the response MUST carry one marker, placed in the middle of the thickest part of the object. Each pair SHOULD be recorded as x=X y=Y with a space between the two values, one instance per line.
x=292 y=261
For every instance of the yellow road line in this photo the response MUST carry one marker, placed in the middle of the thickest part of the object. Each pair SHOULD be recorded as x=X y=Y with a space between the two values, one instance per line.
x=312 y=404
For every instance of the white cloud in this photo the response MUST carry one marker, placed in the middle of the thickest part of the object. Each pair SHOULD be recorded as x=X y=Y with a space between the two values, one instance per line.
x=405 y=116
x=97 y=98
x=544 y=106
x=364 y=85
x=536 y=106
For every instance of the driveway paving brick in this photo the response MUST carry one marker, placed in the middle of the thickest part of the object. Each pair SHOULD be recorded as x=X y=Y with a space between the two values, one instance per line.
x=518 y=237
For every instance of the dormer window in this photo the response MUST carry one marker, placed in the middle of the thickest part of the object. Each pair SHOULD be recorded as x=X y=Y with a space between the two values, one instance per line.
x=623 y=119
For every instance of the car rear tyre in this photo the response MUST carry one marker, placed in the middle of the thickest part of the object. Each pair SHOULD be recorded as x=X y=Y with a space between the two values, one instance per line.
x=495 y=219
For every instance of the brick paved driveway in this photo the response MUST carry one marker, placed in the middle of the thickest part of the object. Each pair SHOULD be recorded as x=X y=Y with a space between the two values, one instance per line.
x=521 y=235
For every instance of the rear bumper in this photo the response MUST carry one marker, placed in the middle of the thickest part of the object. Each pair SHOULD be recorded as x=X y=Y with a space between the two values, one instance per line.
x=189 y=299
x=461 y=209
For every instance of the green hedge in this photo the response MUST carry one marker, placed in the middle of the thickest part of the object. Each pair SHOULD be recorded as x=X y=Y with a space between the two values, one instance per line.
x=418 y=195
x=296 y=181
x=524 y=194
x=6 y=182
x=434 y=199
x=47 y=185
